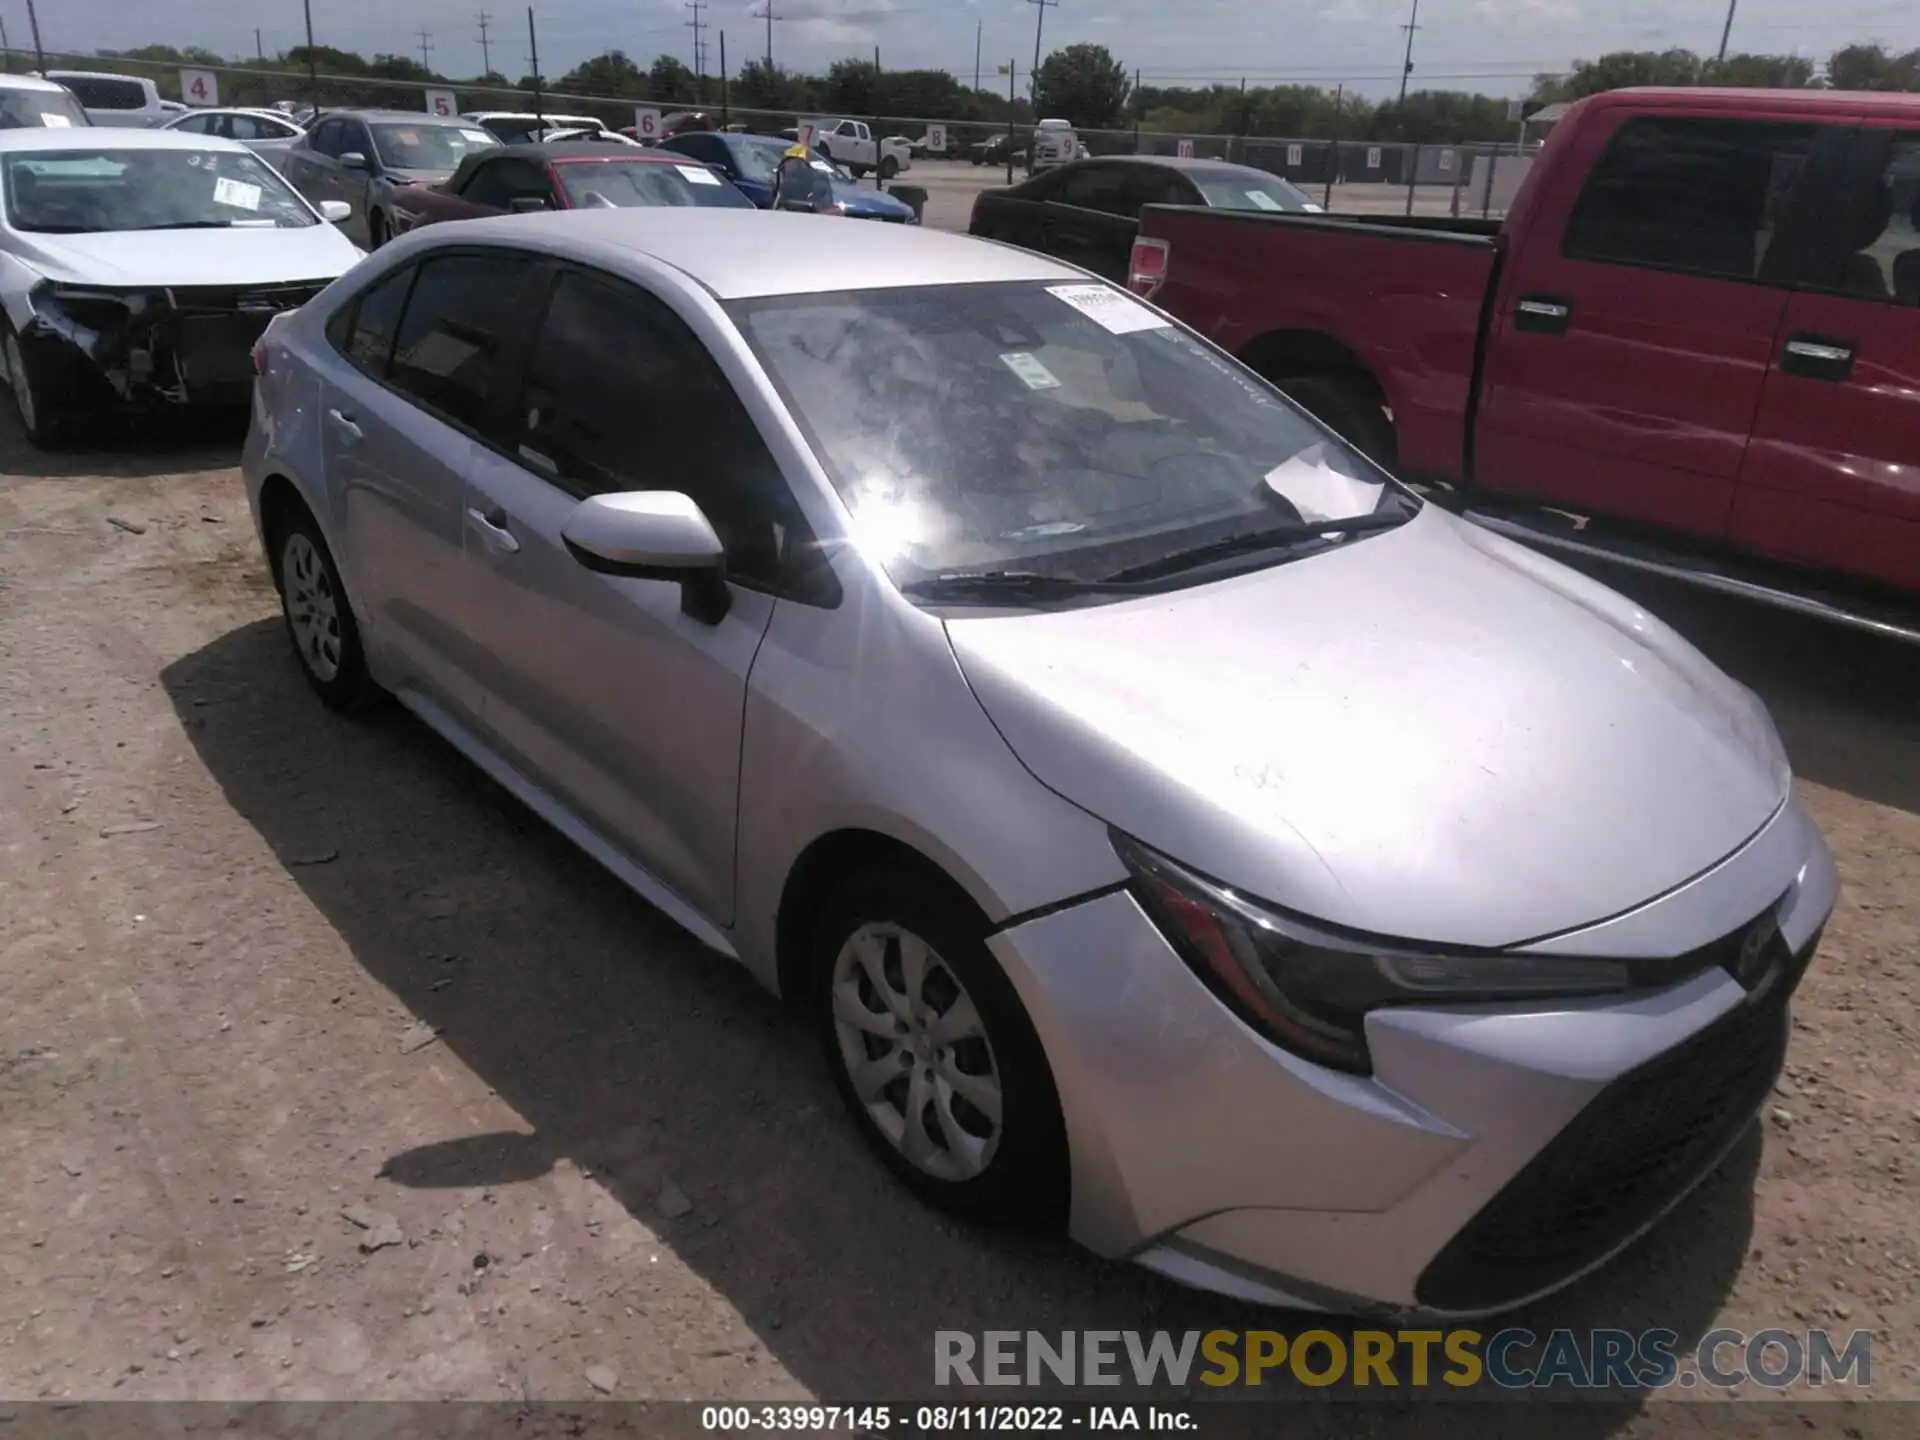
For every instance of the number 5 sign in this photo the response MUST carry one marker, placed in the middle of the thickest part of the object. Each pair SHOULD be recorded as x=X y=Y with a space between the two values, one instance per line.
x=646 y=123
x=442 y=102
x=199 y=87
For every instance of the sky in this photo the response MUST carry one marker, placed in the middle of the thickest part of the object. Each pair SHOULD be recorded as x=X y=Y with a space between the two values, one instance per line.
x=1494 y=46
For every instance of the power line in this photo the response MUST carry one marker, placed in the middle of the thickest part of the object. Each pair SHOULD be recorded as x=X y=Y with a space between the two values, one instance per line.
x=765 y=12
x=486 y=53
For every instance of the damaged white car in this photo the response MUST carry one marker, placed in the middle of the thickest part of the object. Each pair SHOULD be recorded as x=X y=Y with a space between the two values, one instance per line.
x=138 y=267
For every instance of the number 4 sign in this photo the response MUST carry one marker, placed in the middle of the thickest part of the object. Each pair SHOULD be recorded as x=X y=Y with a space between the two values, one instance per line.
x=442 y=102
x=199 y=87
x=646 y=123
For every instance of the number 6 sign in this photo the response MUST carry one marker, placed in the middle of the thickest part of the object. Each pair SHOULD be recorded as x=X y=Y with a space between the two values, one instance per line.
x=646 y=123
x=442 y=102
x=199 y=87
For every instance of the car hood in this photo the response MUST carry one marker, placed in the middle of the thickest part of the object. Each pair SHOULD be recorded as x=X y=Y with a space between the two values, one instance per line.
x=1431 y=734
x=190 y=257
x=869 y=202
x=416 y=177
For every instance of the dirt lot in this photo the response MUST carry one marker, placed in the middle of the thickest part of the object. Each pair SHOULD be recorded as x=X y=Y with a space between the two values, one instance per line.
x=264 y=967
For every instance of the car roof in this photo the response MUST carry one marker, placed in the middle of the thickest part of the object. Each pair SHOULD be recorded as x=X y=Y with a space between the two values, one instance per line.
x=397 y=117
x=114 y=137
x=526 y=115
x=27 y=82
x=744 y=254
x=97 y=75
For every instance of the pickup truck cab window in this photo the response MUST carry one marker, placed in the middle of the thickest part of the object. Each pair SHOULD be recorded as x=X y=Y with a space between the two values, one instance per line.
x=1699 y=196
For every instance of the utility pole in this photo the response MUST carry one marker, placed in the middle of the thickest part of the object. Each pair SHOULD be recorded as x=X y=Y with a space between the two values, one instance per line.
x=979 y=33
x=259 y=50
x=723 y=80
x=765 y=13
x=696 y=24
x=39 y=55
x=533 y=59
x=486 y=51
x=313 y=66
x=426 y=51
x=1727 y=34
x=6 y=47
x=1040 y=8
x=1413 y=24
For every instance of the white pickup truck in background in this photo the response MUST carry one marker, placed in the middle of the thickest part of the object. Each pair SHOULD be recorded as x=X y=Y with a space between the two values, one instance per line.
x=851 y=143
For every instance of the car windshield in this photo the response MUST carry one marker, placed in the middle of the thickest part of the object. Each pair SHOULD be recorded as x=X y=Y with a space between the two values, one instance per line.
x=84 y=191
x=623 y=184
x=1249 y=190
x=1055 y=430
x=34 y=109
x=758 y=159
x=427 y=146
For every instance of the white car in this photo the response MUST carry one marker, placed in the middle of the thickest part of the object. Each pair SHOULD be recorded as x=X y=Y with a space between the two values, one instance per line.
x=851 y=143
x=111 y=99
x=138 y=267
x=267 y=133
x=1054 y=143
x=28 y=102
x=523 y=127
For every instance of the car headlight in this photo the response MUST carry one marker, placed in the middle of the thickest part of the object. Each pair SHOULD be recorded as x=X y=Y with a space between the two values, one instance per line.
x=1309 y=989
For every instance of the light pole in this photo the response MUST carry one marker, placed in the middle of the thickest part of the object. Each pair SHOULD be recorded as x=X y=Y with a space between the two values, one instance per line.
x=1727 y=33
x=1040 y=8
x=1413 y=24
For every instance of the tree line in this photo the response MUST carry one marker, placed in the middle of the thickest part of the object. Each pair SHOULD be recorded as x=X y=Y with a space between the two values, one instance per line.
x=1084 y=84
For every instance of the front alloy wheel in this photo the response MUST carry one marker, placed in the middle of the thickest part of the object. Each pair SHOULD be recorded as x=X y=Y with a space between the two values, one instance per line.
x=916 y=1052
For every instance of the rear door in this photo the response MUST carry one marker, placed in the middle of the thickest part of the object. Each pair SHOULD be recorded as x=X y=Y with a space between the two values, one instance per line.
x=1832 y=478
x=1630 y=342
x=1087 y=223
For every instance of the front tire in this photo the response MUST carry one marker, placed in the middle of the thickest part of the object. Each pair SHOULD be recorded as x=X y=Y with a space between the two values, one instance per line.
x=40 y=419
x=319 y=617
x=933 y=1052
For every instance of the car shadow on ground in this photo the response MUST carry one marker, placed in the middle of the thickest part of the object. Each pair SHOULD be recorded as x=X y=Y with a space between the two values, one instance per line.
x=627 y=1048
x=125 y=448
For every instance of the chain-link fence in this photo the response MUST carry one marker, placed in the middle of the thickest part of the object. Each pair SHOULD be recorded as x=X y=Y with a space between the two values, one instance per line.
x=1367 y=177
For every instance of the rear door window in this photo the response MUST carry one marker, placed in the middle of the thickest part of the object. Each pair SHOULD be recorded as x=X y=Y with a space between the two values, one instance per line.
x=1872 y=236
x=1096 y=187
x=1700 y=196
x=363 y=330
x=456 y=341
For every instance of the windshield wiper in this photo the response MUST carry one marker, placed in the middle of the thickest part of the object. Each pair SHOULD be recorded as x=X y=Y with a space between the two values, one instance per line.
x=1011 y=585
x=190 y=225
x=1274 y=539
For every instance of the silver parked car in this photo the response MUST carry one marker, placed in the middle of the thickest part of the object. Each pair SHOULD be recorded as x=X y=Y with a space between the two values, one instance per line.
x=1171 y=824
x=268 y=133
x=364 y=157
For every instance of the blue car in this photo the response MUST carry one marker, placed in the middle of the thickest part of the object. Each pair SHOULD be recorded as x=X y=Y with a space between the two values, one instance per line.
x=750 y=162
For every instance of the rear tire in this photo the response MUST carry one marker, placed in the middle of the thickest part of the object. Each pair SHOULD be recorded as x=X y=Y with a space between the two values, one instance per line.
x=1351 y=409
x=319 y=616
x=933 y=1052
x=889 y=168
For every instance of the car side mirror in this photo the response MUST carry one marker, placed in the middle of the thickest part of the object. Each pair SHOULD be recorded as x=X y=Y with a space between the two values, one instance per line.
x=653 y=535
x=335 y=210
x=353 y=160
x=528 y=204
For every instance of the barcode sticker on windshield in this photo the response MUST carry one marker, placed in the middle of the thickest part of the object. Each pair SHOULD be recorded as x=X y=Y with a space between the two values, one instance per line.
x=1263 y=201
x=1035 y=375
x=698 y=174
x=237 y=193
x=1109 y=308
x=477 y=137
x=56 y=122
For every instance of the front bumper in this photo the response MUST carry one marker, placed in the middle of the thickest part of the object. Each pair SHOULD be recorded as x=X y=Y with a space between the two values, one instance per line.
x=1496 y=1154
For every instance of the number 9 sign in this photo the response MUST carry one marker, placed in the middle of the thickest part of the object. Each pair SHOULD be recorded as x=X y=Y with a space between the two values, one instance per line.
x=442 y=102
x=199 y=87
x=646 y=124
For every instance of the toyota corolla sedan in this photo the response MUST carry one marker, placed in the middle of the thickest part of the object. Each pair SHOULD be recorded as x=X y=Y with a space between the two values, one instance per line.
x=1170 y=825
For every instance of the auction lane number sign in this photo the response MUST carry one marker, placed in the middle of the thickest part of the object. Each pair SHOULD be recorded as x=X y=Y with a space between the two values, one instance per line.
x=199 y=87
x=443 y=103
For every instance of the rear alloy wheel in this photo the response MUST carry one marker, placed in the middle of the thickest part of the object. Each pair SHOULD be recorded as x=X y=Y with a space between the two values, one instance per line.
x=319 y=619
x=933 y=1053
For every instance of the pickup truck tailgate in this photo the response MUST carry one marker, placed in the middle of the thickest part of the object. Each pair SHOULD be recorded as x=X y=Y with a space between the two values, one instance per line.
x=1405 y=300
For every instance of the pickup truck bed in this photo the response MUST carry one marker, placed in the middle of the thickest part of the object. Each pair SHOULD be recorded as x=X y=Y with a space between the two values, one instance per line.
x=1699 y=328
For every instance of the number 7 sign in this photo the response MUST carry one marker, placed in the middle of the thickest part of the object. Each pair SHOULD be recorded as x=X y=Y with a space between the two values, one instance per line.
x=199 y=87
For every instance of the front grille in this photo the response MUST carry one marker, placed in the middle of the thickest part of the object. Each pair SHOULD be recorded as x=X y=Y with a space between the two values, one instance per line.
x=263 y=300
x=1637 y=1144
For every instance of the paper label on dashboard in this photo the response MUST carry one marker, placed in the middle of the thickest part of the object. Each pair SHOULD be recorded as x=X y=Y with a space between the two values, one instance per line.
x=237 y=193
x=1110 y=309
x=1263 y=201
x=1032 y=373
x=56 y=122
x=697 y=175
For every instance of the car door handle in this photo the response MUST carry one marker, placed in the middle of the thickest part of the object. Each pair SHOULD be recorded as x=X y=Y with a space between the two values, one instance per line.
x=1542 y=315
x=345 y=425
x=1817 y=357
x=494 y=533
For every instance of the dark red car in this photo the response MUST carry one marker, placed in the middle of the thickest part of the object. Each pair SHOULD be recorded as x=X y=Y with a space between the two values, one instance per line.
x=566 y=176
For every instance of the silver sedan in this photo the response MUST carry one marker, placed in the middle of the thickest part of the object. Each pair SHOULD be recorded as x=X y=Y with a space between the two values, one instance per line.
x=1172 y=827
x=267 y=133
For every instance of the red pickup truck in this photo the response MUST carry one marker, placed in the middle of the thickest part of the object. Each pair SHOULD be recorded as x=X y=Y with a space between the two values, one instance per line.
x=1698 y=331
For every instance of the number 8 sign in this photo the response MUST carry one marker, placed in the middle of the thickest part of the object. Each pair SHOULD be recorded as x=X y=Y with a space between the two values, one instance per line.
x=199 y=87
x=646 y=123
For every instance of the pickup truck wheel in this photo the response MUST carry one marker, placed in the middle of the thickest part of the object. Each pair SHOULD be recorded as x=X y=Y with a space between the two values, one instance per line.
x=1349 y=408
x=889 y=168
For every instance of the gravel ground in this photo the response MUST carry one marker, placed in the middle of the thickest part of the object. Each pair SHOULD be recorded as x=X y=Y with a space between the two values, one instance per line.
x=326 y=1071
